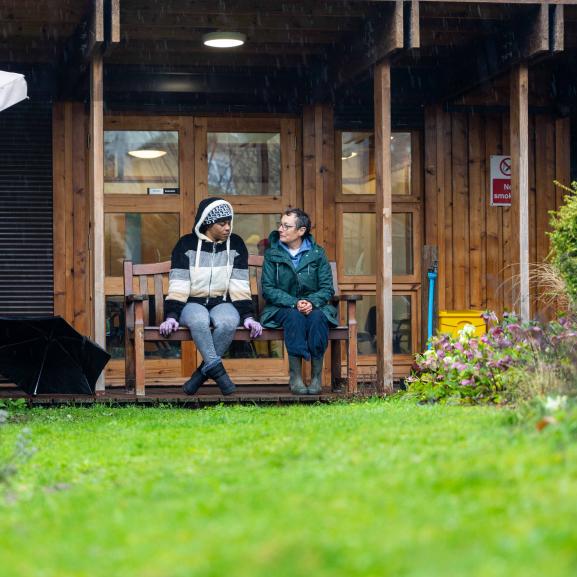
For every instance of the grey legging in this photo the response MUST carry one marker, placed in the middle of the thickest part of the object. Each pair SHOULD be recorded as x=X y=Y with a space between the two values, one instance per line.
x=212 y=345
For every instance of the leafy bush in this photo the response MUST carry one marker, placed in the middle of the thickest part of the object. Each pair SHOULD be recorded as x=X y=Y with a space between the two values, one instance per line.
x=564 y=240
x=552 y=368
x=510 y=362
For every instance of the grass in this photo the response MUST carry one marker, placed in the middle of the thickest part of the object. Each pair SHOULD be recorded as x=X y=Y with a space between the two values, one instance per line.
x=368 y=489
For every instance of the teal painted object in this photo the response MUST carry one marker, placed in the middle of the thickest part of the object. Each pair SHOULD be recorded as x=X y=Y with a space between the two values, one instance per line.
x=432 y=276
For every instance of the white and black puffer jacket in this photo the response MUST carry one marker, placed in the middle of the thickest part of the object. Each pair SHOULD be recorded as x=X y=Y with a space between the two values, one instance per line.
x=209 y=273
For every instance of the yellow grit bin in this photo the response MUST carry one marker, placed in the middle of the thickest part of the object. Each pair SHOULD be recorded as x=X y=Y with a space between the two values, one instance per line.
x=453 y=321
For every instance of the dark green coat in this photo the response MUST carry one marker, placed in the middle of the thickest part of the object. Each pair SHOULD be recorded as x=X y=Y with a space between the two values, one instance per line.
x=284 y=286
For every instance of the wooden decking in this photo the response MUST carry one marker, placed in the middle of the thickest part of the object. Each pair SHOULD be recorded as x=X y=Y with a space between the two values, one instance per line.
x=173 y=395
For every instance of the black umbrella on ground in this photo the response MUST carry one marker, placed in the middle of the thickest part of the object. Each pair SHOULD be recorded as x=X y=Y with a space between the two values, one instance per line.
x=46 y=355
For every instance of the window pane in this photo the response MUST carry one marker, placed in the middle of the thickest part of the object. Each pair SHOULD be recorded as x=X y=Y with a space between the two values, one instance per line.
x=244 y=163
x=358 y=163
x=140 y=237
x=140 y=162
x=366 y=317
x=115 y=333
x=359 y=243
x=401 y=163
x=402 y=329
x=402 y=243
x=254 y=230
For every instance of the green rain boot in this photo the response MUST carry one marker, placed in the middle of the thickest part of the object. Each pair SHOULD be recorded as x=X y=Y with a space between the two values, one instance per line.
x=316 y=377
x=296 y=384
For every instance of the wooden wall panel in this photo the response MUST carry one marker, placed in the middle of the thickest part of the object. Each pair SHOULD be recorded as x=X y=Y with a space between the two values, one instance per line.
x=476 y=267
x=72 y=294
x=446 y=225
x=494 y=256
x=506 y=239
x=477 y=220
x=460 y=207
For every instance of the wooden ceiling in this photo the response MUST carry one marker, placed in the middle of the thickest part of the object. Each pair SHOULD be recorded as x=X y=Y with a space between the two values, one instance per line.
x=281 y=33
x=297 y=38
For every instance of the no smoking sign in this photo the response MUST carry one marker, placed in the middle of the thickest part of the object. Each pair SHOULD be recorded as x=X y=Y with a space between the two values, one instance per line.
x=500 y=193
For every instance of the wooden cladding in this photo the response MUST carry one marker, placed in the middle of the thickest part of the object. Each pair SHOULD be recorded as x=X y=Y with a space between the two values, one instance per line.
x=72 y=292
x=475 y=240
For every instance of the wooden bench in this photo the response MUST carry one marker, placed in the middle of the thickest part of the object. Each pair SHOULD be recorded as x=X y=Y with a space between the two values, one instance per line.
x=152 y=279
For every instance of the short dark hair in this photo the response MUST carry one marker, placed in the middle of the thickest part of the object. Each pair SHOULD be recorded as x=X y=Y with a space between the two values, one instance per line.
x=302 y=218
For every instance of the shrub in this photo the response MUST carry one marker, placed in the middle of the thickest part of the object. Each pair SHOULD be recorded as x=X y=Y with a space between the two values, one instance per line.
x=510 y=362
x=564 y=240
x=468 y=368
x=552 y=368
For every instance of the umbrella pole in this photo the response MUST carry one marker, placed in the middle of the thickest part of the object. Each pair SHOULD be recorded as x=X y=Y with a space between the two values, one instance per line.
x=41 y=368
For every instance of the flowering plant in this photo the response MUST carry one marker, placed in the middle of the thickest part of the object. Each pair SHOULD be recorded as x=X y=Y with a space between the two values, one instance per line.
x=470 y=368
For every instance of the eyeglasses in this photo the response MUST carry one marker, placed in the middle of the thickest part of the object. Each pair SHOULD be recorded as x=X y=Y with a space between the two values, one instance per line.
x=286 y=227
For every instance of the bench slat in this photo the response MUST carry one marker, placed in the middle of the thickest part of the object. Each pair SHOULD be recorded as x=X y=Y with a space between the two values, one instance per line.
x=242 y=334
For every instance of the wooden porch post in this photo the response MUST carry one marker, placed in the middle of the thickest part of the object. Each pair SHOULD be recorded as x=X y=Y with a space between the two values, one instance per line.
x=519 y=135
x=383 y=212
x=96 y=175
x=97 y=201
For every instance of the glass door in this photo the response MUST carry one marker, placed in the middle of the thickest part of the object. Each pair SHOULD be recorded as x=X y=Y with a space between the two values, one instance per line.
x=157 y=170
x=356 y=239
x=252 y=163
x=143 y=219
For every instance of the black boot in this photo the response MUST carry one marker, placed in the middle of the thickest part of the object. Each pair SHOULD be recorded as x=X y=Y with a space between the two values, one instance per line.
x=196 y=381
x=220 y=376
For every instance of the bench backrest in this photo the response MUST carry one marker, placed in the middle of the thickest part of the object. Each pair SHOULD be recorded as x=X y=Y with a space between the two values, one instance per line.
x=152 y=280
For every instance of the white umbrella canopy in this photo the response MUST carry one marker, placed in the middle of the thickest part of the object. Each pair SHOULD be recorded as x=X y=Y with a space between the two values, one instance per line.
x=13 y=89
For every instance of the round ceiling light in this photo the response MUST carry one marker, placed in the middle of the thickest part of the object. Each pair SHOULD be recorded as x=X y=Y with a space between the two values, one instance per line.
x=147 y=153
x=224 y=39
x=351 y=154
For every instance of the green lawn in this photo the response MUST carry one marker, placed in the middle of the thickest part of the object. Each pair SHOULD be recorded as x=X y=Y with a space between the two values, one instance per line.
x=372 y=489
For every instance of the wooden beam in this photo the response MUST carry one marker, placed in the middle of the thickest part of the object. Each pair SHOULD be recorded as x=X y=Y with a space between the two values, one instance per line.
x=412 y=29
x=111 y=25
x=519 y=142
x=557 y=28
x=95 y=29
x=384 y=208
x=532 y=38
x=380 y=37
x=99 y=30
x=535 y=39
x=96 y=164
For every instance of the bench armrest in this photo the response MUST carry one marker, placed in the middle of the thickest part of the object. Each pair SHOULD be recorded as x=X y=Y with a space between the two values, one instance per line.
x=351 y=297
x=348 y=298
x=136 y=298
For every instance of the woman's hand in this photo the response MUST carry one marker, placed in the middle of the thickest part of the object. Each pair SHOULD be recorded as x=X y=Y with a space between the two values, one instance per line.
x=253 y=326
x=168 y=326
x=304 y=307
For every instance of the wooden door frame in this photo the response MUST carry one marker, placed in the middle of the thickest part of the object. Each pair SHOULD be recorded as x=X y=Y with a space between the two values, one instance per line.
x=193 y=187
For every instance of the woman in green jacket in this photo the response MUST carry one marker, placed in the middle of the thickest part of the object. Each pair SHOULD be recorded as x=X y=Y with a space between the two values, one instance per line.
x=297 y=285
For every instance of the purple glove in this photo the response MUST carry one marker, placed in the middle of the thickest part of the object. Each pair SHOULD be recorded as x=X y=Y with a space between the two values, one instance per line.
x=168 y=326
x=254 y=327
